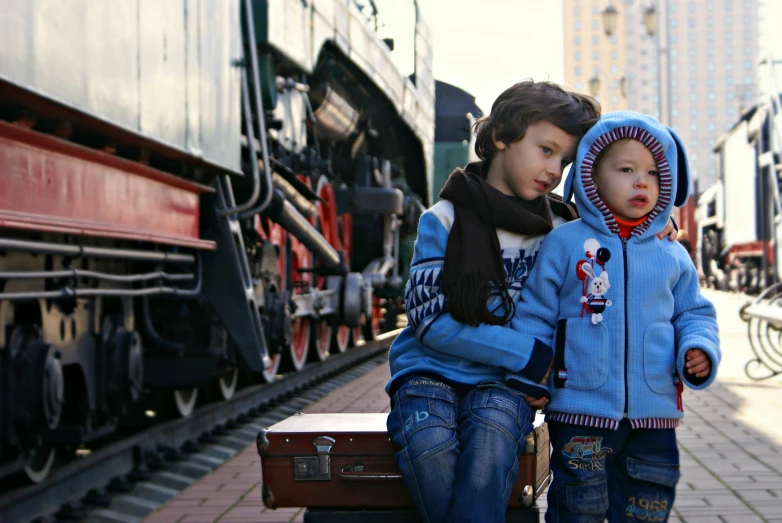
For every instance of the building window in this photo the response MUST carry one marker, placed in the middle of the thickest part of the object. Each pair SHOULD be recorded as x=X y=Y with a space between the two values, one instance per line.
x=747 y=36
x=577 y=40
x=675 y=98
x=693 y=126
x=748 y=50
x=596 y=56
x=674 y=53
x=748 y=80
x=578 y=86
x=613 y=54
x=595 y=40
x=615 y=99
x=747 y=65
x=728 y=5
x=691 y=22
x=728 y=21
x=710 y=66
x=595 y=25
x=691 y=7
x=674 y=83
x=577 y=11
x=692 y=68
x=712 y=127
x=673 y=22
x=729 y=80
x=693 y=83
x=577 y=70
x=728 y=36
x=729 y=51
x=709 y=36
x=712 y=110
x=577 y=56
x=674 y=68
x=728 y=66
x=710 y=7
x=747 y=19
x=710 y=81
x=577 y=25
x=710 y=21
x=694 y=157
x=711 y=95
x=673 y=38
x=710 y=51
x=691 y=52
x=693 y=97
x=674 y=112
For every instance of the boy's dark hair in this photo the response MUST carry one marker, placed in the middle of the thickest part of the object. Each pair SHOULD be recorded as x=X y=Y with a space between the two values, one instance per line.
x=529 y=102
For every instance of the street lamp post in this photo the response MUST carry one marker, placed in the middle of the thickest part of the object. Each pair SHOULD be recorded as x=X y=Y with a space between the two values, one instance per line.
x=650 y=15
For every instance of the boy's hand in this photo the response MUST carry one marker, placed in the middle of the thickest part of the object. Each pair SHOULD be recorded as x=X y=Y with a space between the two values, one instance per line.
x=669 y=231
x=539 y=403
x=697 y=363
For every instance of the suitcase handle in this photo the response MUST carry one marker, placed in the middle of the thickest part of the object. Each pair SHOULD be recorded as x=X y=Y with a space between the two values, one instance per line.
x=356 y=473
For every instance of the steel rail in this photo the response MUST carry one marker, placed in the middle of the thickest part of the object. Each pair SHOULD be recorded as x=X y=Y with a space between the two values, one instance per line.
x=73 y=481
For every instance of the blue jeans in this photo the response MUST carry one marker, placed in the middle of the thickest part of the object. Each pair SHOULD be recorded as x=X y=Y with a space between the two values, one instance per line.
x=459 y=456
x=622 y=475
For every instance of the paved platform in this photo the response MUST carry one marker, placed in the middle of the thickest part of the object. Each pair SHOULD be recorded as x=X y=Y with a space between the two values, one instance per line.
x=730 y=443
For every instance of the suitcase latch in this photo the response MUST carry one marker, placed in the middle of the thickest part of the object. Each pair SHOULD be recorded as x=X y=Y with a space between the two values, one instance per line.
x=315 y=468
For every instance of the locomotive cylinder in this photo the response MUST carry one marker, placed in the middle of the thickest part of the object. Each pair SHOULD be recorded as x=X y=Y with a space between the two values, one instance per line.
x=336 y=117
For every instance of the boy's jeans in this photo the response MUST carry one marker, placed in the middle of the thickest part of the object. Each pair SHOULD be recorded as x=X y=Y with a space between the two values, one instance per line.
x=622 y=475
x=459 y=458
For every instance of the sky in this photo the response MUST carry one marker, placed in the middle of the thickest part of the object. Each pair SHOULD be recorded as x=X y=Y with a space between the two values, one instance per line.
x=484 y=46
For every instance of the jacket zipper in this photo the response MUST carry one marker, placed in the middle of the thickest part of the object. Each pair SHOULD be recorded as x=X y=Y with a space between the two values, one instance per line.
x=627 y=351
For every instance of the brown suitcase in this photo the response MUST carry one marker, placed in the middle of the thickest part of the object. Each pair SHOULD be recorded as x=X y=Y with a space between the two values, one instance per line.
x=347 y=460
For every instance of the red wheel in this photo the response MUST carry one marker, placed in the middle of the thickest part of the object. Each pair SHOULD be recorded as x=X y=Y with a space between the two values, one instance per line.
x=301 y=260
x=341 y=339
x=322 y=336
x=277 y=236
x=371 y=327
x=271 y=371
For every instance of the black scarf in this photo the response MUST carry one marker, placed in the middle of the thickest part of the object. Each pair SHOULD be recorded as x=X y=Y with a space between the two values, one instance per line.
x=473 y=258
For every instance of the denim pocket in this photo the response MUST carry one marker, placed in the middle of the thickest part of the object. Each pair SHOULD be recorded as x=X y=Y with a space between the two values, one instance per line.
x=588 y=498
x=425 y=403
x=652 y=489
x=659 y=364
x=666 y=474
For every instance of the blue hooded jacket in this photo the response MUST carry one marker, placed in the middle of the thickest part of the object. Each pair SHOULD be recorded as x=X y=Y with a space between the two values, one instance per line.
x=620 y=313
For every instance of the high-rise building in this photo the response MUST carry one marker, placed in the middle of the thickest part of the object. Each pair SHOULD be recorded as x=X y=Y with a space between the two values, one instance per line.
x=705 y=50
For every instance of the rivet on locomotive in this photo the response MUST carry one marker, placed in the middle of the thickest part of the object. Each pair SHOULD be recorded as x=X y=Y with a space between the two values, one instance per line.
x=194 y=196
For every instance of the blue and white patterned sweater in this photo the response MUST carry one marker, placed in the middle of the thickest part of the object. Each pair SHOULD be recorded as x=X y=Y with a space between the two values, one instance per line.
x=435 y=344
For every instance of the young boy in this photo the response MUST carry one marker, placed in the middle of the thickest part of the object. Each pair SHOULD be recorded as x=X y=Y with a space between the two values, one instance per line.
x=628 y=324
x=460 y=428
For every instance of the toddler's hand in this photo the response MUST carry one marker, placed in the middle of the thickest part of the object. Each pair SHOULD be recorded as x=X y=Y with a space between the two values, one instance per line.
x=697 y=363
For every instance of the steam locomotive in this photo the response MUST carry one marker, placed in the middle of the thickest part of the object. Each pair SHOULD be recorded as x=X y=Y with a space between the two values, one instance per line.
x=194 y=195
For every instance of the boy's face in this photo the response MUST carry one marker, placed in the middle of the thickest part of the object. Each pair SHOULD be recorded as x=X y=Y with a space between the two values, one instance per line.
x=532 y=166
x=627 y=180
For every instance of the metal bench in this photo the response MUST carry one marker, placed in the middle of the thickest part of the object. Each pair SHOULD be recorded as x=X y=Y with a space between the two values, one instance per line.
x=764 y=329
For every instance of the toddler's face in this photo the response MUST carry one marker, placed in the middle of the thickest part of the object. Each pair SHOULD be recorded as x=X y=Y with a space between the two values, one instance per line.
x=627 y=179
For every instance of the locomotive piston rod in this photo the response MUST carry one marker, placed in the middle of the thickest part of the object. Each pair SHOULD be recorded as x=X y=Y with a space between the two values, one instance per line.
x=283 y=212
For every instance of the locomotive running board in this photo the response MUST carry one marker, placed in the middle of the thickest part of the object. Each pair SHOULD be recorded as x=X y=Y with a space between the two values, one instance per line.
x=49 y=184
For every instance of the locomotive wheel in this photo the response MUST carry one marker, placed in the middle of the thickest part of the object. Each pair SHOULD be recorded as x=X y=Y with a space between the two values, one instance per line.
x=270 y=372
x=322 y=335
x=370 y=327
x=225 y=384
x=341 y=339
x=185 y=401
x=39 y=464
x=300 y=344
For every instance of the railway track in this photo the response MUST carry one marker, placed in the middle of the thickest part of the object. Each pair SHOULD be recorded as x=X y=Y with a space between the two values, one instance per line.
x=128 y=479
